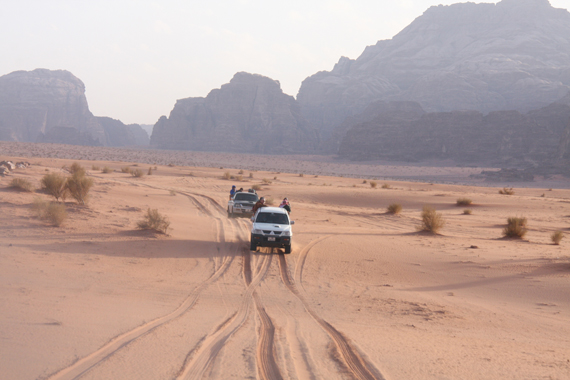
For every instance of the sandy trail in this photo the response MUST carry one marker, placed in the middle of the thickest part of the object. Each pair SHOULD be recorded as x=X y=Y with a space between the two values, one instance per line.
x=362 y=296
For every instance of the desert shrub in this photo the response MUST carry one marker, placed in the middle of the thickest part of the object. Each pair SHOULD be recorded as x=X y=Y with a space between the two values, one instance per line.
x=226 y=175
x=76 y=168
x=556 y=237
x=275 y=178
x=95 y=167
x=394 y=208
x=52 y=212
x=266 y=181
x=301 y=175
x=78 y=186
x=250 y=175
x=386 y=186
x=107 y=169
x=432 y=221
x=373 y=184
x=22 y=184
x=467 y=212
x=137 y=173
x=149 y=171
x=269 y=201
x=240 y=171
x=506 y=191
x=171 y=165
x=516 y=228
x=153 y=220
x=173 y=193
x=54 y=185
x=463 y=202
x=256 y=187
x=239 y=178
x=126 y=169
x=364 y=182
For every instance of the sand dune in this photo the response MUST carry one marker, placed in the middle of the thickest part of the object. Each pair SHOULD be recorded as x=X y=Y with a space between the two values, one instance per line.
x=363 y=295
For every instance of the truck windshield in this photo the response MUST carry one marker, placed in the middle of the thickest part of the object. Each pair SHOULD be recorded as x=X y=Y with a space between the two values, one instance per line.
x=246 y=197
x=269 y=217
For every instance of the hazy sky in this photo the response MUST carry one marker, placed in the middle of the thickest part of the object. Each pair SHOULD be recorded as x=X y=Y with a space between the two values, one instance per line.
x=136 y=57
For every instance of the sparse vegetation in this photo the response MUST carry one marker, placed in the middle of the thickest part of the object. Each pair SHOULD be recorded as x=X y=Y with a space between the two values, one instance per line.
x=394 y=208
x=78 y=186
x=55 y=185
x=173 y=193
x=171 y=165
x=373 y=184
x=126 y=169
x=149 y=171
x=137 y=173
x=301 y=175
x=364 y=182
x=507 y=191
x=463 y=202
x=256 y=187
x=227 y=175
x=266 y=181
x=54 y=213
x=155 y=221
x=275 y=178
x=76 y=168
x=239 y=178
x=240 y=172
x=22 y=184
x=516 y=228
x=467 y=211
x=107 y=169
x=269 y=201
x=95 y=167
x=556 y=237
x=250 y=175
x=432 y=221
x=386 y=186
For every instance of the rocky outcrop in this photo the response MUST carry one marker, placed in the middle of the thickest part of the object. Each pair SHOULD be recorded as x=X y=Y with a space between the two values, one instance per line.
x=250 y=114
x=485 y=57
x=50 y=106
x=501 y=138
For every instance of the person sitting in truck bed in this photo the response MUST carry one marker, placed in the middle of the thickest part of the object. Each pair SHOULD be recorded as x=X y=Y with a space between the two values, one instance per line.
x=260 y=203
x=285 y=204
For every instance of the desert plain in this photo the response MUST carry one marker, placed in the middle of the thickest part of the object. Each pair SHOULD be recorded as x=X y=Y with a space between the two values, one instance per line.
x=363 y=295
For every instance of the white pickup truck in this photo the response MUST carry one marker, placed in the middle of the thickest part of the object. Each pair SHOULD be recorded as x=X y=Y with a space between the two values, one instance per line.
x=271 y=228
x=242 y=204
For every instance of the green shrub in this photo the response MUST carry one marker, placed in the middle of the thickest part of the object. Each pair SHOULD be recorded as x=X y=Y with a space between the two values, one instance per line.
x=432 y=221
x=464 y=202
x=22 y=184
x=516 y=228
x=54 y=185
x=394 y=208
x=153 y=220
x=78 y=186
x=556 y=237
x=54 y=213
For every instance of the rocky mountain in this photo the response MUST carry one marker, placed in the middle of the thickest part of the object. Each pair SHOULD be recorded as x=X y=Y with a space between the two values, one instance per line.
x=484 y=57
x=50 y=106
x=249 y=114
x=402 y=131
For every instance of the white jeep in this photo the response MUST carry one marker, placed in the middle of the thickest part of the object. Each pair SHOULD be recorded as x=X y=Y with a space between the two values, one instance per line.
x=271 y=228
x=241 y=204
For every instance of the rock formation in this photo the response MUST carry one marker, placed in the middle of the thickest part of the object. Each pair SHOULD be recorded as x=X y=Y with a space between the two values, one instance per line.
x=251 y=114
x=50 y=106
x=485 y=57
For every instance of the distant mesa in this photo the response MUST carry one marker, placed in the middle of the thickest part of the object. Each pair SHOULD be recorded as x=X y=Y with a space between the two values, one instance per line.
x=250 y=114
x=50 y=106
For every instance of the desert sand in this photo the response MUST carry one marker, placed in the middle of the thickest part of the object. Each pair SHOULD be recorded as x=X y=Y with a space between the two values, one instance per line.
x=363 y=295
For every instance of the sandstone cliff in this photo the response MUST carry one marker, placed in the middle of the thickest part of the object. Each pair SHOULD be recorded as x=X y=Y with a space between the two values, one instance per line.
x=250 y=114
x=486 y=57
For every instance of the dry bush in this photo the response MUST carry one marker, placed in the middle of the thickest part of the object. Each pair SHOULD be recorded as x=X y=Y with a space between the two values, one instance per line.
x=266 y=181
x=95 y=167
x=301 y=175
x=250 y=175
x=256 y=187
x=137 y=173
x=516 y=228
x=506 y=191
x=240 y=172
x=78 y=186
x=386 y=186
x=54 y=185
x=239 y=178
x=149 y=171
x=467 y=212
x=463 y=202
x=556 y=237
x=394 y=208
x=153 y=220
x=373 y=184
x=107 y=169
x=432 y=221
x=126 y=169
x=227 y=175
x=269 y=201
x=364 y=182
x=171 y=165
x=76 y=168
x=22 y=184
x=52 y=212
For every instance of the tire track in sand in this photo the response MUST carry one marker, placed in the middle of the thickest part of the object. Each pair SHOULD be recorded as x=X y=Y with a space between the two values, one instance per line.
x=359 y=367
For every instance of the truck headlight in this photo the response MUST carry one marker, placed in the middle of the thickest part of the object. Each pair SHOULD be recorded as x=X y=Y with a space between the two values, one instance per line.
x=257 y=232
x=286 y=233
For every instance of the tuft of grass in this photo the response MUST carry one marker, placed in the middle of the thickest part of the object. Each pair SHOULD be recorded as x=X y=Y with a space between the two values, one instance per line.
x=516 y=228
x=149 y=171
x=467 y=211
x=373 y=184
x=275 y=178
x=301 y=175
x=266 y=181
x=155 y=221
x=386 y=186
x=22 y=184
x=556 y=237
x=137 y=173
x=173 y=193
x=364 y=182
x=227 y=175
x=250 y=175
x=52 y=212
x=171 y=165
x=507 y=191
x=256 y=187
x=78 y=186
x=239 y=178
x=126 y=169
x=432 y=221
x=55 y=185
x=107 y=169
x=463 y=202
x=76 y=168
x=394 y=208
x=95 y=167
x=240 y=171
